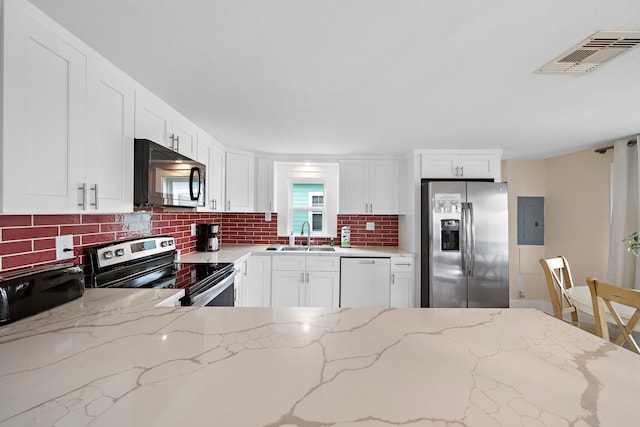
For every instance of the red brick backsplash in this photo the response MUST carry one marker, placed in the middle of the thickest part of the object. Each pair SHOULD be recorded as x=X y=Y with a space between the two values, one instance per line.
x=27 y=240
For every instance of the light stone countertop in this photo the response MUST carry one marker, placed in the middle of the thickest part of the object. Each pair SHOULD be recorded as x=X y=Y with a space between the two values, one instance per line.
x=111 y=358
x=236 y=253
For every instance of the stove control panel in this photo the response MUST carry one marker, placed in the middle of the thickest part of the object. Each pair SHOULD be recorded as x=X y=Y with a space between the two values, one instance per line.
x=122 y=252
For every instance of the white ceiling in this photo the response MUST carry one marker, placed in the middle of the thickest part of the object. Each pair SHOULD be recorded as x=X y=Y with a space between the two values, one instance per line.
x=346 y=77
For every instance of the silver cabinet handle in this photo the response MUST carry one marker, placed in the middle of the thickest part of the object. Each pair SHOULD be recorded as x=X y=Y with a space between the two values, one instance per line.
x=307 y=277
x=393 y=279
x=95 y=195
x=83 y=198
x=301 y=277
x=175 y=142
x=461 y=170
x=228 y=205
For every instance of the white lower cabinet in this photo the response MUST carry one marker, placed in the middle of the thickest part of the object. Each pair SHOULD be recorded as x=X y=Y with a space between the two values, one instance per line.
x=402 y=282
x=239 y=283
x=253 y=281
x=257 y=286
x=305 y=281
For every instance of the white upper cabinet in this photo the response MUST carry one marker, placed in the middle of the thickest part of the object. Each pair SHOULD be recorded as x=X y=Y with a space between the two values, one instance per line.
x=212 y=156
x=370 y=187
x=240 y=175
x=109 y=142
x=43 y=117
x=265 y=185
x=158 y=122
x=461 y=165
x=68 y=122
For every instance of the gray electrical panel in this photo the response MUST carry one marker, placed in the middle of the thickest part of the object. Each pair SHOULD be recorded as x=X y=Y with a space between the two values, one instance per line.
x=531 y=220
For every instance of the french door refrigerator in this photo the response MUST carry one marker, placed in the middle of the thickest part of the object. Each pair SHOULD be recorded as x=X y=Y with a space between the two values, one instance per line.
x=465 y=244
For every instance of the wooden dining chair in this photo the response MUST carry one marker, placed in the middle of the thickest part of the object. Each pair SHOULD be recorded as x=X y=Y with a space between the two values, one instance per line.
x=603 y=295
x=558 y=275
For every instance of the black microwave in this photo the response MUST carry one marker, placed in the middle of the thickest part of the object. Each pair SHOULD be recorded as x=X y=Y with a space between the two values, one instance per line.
x=163 y=177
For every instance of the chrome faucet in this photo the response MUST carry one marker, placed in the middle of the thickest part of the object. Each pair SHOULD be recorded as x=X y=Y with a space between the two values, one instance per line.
x=308 y=232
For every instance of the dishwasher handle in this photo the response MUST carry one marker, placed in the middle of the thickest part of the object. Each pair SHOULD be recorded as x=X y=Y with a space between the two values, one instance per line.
x=349 y=260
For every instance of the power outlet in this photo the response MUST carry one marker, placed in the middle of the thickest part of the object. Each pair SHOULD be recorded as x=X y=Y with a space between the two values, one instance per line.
x=521 y=294
x=193 y=229
x=371 y=226
x=64 y=247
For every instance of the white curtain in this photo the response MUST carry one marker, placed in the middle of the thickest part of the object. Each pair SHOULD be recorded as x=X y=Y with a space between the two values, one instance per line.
x=624 y=215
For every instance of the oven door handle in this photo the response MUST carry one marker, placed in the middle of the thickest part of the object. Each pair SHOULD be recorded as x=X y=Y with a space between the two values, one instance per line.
x=204 y=298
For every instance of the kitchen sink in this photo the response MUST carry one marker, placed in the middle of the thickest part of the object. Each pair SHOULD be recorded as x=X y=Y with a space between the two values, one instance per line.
x=306 y=249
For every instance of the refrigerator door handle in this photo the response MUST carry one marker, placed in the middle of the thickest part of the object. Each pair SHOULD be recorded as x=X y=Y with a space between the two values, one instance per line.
x=464 y=239
x=472 y=242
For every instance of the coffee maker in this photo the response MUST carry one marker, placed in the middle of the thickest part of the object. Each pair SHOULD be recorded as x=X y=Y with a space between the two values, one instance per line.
x=207 y=238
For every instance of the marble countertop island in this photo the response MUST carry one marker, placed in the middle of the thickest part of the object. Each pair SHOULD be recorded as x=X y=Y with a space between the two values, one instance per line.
x=111 y=358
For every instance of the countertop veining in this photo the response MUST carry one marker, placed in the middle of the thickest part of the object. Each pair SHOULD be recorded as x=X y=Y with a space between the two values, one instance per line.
x=113 y=358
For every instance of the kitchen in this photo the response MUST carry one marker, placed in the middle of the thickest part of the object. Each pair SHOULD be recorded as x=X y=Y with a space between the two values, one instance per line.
x=29 y=235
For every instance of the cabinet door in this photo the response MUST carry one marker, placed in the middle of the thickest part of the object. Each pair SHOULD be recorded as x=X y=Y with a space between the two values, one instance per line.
x=322 y=289
x=400 y=286
x=258 y=284
x=479 y=166
x=239 y=183
x=384 y=187
x=265 y=186
x=153 y=118
x=216 y=179
x=239 y=283
x=204 y=156
x=43 y=117
x=439 y=165
x=109 y=142
x=287 y=288
x=354 y=186
x=184 y=134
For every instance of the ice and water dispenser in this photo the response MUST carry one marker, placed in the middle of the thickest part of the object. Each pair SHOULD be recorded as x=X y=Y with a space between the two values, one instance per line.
x=450 y=234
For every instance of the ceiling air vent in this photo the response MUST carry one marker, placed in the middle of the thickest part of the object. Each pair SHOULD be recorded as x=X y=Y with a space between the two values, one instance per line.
x=592 y=52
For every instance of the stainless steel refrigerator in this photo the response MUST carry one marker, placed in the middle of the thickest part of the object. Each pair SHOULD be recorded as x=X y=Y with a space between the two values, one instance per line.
x=465 y=244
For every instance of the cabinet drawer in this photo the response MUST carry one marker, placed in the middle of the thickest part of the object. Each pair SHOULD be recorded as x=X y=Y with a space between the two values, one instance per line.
x=288 y=262
x=323 y=263
x=400 y=264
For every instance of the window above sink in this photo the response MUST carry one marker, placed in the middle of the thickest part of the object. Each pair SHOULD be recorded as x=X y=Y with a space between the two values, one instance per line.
x=306 y=192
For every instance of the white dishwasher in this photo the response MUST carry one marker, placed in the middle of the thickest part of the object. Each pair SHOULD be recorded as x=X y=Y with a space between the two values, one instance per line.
x=364 y=282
